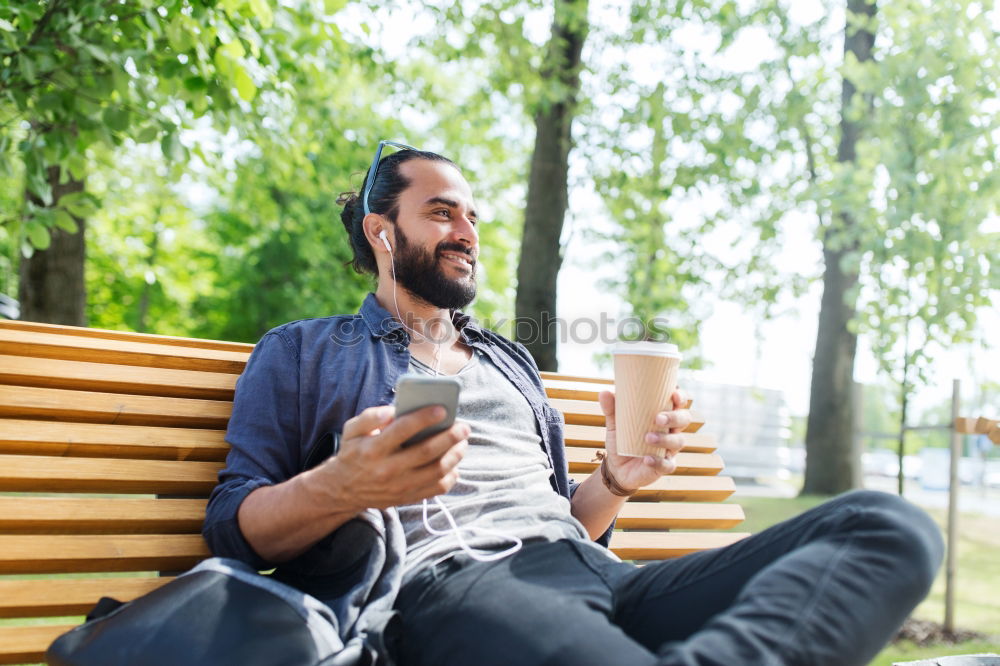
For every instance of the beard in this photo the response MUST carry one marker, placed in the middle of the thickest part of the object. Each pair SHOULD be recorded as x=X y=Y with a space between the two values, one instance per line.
x=419 y=272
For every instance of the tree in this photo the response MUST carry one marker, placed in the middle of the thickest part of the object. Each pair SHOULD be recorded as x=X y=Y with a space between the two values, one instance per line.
x=832 y=457
x=545 y=209
x=82 y=78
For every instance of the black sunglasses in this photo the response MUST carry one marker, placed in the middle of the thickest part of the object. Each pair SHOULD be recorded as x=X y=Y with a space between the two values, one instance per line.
x=373 y=169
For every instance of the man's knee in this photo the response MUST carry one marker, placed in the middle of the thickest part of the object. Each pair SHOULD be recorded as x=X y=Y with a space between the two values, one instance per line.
x=901 y=531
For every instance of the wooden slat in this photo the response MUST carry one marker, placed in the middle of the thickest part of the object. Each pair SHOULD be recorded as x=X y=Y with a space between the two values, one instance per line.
x=965 y=425
x=102 y=475
x=994 y=434
x=39 y=554
x=663 y=545
x=86 y=515
x=90 y=407
x=682 y=488
x=53 y=438
x=124 y=352
x=697 y=464
x=20 y=645
x=985 y=425
x=679 y=515
x=106 y=334
x=583 y=412
x=593 y=437
x=108 y=378
x=69 y=596
x=575 y=378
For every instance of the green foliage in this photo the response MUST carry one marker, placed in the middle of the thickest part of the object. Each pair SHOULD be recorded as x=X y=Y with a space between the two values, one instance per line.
x=246 y=231
x=87 y=76
x=934 y=154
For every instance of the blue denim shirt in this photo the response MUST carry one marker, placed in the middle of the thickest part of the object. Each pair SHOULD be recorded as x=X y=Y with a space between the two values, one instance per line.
x=306 y=378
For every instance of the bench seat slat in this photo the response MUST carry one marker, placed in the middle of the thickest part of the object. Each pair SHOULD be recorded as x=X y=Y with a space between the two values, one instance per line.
x=107 y=378
x=21 y=645
x=698 y=464
x=91 y=407
x=660 y=545
x=679 y=516
x=124 y=352
x=40 y=554
x=46 y=474
x=54 y=438
x=682 y=488
x=88 y=515
x=57 y=597
x=593 y=436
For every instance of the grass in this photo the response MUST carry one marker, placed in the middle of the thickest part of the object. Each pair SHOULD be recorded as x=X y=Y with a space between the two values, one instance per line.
x=978 y=578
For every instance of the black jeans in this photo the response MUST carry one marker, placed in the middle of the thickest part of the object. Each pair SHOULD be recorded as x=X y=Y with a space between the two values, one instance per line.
x=829 y=586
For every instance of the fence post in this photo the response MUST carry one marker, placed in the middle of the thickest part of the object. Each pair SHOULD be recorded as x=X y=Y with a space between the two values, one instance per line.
x=954 y=485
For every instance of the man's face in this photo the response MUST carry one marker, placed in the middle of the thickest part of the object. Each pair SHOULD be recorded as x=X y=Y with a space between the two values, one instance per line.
x=436 y=241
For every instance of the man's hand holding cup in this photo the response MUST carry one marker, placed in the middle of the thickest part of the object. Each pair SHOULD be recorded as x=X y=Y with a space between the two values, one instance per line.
x=644 y=417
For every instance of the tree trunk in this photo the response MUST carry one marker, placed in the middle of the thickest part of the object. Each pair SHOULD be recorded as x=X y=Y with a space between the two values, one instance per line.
x=51 y=287
x=540 y=257
x=833 y=461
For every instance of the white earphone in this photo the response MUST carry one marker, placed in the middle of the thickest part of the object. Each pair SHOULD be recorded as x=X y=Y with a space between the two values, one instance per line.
x=385 y=240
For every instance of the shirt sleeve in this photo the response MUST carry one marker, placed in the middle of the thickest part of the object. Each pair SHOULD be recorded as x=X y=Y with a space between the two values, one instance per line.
x=264 y=440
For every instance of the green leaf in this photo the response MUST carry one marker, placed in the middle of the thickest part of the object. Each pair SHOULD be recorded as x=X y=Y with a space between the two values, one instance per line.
x=38 y=235
x=97 y=52
x=80 y=204
x=333 y=6
x=147 y=134
x=171 y=146
x=245 y=86
x=65 y=221
x=117 y=118
x=7 y=25
x=262 y=10
x=27 y=68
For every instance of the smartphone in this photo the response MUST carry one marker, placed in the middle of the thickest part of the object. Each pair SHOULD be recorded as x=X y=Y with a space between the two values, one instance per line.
x=414 y=392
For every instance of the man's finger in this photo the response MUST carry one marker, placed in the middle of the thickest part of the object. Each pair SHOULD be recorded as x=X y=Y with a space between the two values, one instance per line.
x=607 y=402
x=435 y=446
x=672 y=442
x=404 y=427
x=681 y=399
x=368 y=421
x=674 y=421
x=428 y=476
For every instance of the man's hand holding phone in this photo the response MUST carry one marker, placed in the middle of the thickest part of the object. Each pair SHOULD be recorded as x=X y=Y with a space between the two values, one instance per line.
x=373 y=468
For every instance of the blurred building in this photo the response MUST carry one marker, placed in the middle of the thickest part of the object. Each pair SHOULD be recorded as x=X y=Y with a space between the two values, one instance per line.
x=752 y=426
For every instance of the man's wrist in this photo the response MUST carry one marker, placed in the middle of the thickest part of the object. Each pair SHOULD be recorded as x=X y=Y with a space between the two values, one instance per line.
x=611 y=483
x=322 y=489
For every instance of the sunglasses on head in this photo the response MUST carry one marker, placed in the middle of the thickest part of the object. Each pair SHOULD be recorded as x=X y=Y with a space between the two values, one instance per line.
x=373 y=169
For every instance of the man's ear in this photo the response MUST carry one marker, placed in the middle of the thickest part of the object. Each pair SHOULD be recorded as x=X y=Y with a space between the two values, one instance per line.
x=373 y=225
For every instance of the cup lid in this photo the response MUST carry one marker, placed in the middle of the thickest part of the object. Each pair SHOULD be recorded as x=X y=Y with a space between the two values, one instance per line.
x=647 y=348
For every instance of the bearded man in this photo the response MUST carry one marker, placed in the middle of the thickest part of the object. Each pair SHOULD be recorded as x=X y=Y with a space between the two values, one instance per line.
x=318 y=485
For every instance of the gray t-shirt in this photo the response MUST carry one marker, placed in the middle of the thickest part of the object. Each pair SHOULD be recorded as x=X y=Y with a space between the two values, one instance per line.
x=503 y=483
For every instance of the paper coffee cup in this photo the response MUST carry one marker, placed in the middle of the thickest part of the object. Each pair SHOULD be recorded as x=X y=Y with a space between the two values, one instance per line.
x=645 y=378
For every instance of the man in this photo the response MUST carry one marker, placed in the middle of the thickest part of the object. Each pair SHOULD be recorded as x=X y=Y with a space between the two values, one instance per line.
x=828 y=587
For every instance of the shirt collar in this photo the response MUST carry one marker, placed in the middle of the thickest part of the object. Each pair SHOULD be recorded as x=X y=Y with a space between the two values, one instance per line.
x=383 y=325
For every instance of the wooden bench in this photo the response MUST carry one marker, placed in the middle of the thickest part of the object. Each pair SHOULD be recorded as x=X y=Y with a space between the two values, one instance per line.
x=110 y=443
x=979 y=426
